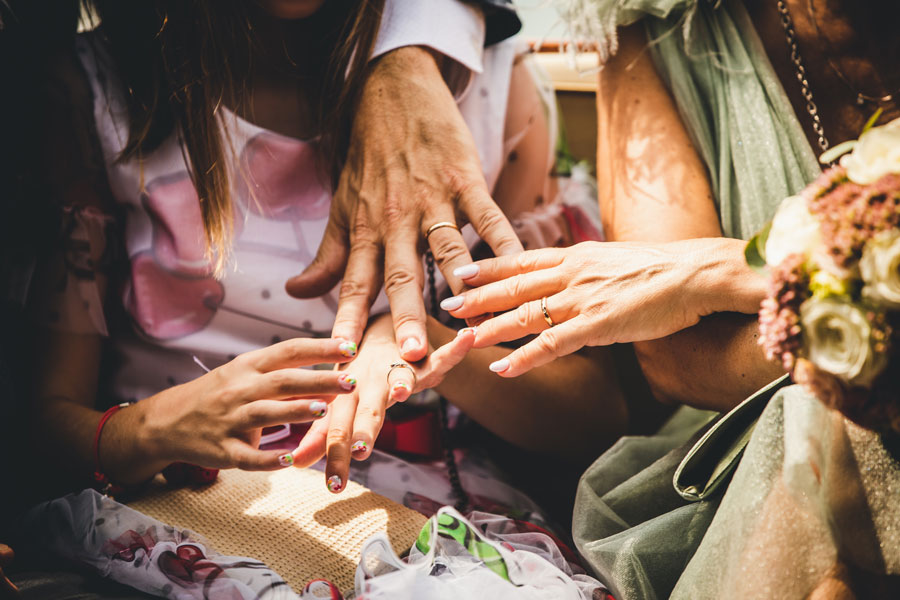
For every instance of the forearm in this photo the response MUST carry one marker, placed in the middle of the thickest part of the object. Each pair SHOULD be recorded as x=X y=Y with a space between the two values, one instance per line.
x=126 y=456
x=573 y=407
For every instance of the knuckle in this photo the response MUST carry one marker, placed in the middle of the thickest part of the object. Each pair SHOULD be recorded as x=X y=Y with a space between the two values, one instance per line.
x=400 y=279
x=522 y=315
x=354 y=290
x=338 y=434
x=548 y=341
x=448 y=248
x=282 y=382
x=488 y=220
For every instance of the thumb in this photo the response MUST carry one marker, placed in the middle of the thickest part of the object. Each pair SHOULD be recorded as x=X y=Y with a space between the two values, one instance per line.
x=327 y=268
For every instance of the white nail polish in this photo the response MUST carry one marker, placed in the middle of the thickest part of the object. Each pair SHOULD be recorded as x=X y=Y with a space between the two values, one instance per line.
x=498 y=366
x=466 y=272
x=452 y=303
x=409 y=345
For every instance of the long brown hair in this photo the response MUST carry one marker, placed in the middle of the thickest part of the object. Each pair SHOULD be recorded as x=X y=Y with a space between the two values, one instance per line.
x=179 y=59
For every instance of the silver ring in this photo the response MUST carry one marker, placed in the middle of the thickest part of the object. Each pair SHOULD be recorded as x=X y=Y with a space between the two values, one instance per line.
x=402 y=365
x=546 y=312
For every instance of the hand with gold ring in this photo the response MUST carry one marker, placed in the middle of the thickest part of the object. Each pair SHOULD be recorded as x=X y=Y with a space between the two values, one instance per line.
x=600 y=293
x=412 y=163
x=354 y=419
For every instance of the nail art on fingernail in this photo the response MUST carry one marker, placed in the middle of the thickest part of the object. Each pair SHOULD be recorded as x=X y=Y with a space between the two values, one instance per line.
x=401 y=385
x=335 y=484
x=347 y=382
x=452 y=303
x=318 y=409
x=466 y=272
x=358 y=447
x=286 y=460
x=348 y=349
x=498 y=366
x=474 y=330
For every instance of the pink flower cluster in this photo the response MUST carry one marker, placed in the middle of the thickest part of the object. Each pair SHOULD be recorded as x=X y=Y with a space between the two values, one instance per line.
x=849 y=215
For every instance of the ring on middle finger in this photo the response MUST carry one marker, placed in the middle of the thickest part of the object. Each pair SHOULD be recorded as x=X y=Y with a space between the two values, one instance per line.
x=401 y=365
x=546 y=312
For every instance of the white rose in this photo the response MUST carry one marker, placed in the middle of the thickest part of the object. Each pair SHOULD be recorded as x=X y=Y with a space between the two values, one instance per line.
x=838 y=339
x=876 y=154
x=794 y=231
x=880 y=268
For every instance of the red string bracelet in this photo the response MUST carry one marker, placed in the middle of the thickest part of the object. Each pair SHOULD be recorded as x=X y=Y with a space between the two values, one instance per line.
x=101 y=480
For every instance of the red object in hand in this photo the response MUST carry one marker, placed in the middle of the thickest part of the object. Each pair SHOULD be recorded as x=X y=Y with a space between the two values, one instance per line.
x=181 y=473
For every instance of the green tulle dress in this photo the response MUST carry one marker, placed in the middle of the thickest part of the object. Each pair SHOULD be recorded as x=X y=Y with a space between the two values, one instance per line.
x=810 y=486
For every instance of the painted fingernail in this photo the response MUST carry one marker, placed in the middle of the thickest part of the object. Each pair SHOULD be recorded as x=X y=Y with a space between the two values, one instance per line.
x=347 y=382
x=359 y=447
x=348 y=349
x=335 y=484
x=286 y=460
x=474 y=331
x=466 y=271
x=318 y=409
x=498 y=366
x=452 y=303
x=409 y=345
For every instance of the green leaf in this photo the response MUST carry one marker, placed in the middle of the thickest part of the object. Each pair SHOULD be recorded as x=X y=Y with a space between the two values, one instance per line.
x=835 y=152
x=872 y=120
x=755 y=252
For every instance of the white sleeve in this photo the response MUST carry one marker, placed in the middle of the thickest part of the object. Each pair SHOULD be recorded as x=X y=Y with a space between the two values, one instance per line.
x=454 y=28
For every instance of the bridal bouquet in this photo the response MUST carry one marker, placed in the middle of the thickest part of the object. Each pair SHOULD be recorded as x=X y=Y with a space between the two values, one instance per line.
x=832 y=315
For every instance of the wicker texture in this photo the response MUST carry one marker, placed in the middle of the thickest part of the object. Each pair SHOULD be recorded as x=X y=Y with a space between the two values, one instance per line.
x=287 y=519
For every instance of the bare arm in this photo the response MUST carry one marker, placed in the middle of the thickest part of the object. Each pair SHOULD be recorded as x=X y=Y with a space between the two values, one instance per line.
x=655 y=188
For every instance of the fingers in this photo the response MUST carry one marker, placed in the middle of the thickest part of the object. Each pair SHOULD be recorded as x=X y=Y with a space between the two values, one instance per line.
x=299 y=352
x=445 y=358
x=525 y=319
x=300 y=383
x=337 y=442
x=312 y=445
x=449 y=250
x=325 y=270
x=489 y=221
x=369 y=418
x=401 y=383
x=505 y=294
x=501 y=267
x=266 y=413
x=403 y=285
x=359 y=288
x=247 y=458
x=552 y=343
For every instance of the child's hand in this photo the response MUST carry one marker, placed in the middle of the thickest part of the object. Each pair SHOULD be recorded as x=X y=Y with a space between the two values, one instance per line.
x=355 y=419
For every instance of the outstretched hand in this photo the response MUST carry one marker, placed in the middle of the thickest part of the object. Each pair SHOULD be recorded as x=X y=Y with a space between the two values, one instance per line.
x=412 y=163
x=600 y=293
x=355 y=419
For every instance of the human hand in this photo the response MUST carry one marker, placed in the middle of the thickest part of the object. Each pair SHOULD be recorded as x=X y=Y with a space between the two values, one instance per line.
x=602 y=293
x=412 y=163
x=216 y=420
x=355 y=419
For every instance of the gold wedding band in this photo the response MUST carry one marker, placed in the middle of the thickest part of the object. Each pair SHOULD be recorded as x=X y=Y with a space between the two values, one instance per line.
x=437 y=226
x=401 y=365
x=546 y=312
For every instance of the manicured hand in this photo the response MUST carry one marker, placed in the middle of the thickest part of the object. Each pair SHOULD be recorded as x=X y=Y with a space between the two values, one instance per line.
x=215 y=421
x=412 y=163
x=355 y=418
x=599 y=294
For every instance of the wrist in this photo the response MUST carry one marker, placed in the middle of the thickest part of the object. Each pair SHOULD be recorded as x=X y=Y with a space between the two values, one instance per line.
x=130 y=447
x=725 y=282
